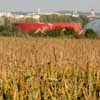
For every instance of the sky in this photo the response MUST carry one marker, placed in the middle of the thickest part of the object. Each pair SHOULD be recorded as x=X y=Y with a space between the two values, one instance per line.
x=30 y=5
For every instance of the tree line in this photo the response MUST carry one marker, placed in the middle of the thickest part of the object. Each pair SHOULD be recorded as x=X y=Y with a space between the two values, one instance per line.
x=8 y=29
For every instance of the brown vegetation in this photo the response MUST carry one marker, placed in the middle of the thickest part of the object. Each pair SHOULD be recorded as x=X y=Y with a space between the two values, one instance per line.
x=49 y=69
x=67 y=51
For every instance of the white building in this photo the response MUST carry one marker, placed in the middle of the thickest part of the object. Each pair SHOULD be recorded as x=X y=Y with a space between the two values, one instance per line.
x=7 y=14
x=19 y=16
x=75 y=13
x=36 y=16
x=92 y=13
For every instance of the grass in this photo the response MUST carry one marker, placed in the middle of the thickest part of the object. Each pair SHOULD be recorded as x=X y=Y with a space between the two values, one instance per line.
x=49 y=69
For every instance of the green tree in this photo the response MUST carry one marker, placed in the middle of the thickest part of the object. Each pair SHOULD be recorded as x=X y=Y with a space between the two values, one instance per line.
x=55 y=33
x=69 y=31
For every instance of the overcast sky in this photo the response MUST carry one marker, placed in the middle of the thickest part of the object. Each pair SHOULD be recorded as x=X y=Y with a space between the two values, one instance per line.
x=29 y=5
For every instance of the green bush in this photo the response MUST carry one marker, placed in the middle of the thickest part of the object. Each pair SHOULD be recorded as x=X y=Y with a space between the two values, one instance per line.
x=2 y=28
x=31 y=32
x=90 y=33
x=55 y=33
x=84 y=20
x=69 y=31
x=9 y=30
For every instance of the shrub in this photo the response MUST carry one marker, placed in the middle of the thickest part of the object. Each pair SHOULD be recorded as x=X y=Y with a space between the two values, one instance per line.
x=55 y=33
x=31 y=32
x=84 y=20
x=2 y=28
x=90 y=33
x=8 y=31
x=69 y=31
x=5 y=33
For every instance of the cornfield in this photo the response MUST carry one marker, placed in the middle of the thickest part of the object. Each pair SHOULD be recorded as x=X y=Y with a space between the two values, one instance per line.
x=49 y=69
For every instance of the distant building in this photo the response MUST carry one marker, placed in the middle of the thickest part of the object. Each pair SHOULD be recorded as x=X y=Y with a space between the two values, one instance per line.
x=68 y=14
x=36 y=18
x=19 y=16
x=75 y=13
x=93 y=13
x=7 y=14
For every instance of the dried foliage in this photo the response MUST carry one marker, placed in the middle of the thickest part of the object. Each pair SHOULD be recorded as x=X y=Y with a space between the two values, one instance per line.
x=49 y=69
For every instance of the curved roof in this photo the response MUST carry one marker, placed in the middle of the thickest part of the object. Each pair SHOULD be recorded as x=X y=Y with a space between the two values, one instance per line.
x=95 y=25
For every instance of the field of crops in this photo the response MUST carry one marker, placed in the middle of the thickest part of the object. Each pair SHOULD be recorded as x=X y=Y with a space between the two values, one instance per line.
x=49 y=69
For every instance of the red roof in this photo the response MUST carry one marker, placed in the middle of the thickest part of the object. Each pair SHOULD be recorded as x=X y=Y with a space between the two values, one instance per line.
x=52 y=25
